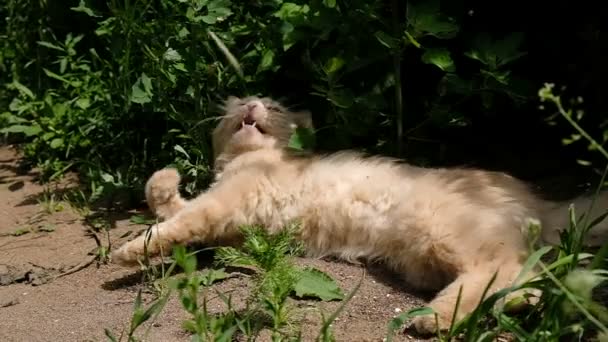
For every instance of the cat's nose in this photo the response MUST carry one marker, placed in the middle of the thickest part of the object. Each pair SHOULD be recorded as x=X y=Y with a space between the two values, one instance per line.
x=251 y=106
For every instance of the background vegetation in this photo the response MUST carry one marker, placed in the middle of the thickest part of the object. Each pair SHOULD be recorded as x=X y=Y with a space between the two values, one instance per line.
x=116 y=89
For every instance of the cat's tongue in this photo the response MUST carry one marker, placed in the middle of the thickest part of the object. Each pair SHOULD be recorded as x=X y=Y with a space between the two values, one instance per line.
x=249 y=120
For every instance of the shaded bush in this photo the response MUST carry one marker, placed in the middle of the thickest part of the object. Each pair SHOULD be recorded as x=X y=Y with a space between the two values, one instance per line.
x=117 y=89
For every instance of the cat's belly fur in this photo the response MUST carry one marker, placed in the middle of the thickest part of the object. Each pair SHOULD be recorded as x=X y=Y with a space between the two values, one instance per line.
x=418 y=223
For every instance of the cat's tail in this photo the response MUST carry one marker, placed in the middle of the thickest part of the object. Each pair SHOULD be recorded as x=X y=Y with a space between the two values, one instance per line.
x=557 y=218
x=162 y=193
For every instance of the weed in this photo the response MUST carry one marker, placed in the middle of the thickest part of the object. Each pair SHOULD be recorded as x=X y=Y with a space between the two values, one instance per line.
x=49 y=202
x=276 y=279
x=566 y=308
x=21 y=231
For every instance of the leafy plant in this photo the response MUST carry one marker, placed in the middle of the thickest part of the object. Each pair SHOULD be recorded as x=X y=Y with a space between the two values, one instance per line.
x=277 y=276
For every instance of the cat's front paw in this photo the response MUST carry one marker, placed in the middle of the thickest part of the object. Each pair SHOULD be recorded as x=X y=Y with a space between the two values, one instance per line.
x=123 y=256
x=430 y=324
x=162 y=187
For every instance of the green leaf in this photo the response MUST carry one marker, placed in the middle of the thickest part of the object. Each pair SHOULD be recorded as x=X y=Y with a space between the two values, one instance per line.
x=27 y=130
x=109 y=335
x=209 y=19
x=314 y=283
x=531 y=262
x=189 y=325
x=51 y=74
x=386 y=40
x=186 y=261
x=56 y=143
x=140 y=219
x=210 y=276
x=302 y=139
x=82 y=7
x=105 y=27
x=140 y=315
x=181 y=150
x=343 y=98
x=290 y=10
x=425 y=18
x=267 y=59
x=439 y=57
x=453 y=84
x=63 y=65
x=496 y=53
x=47 y=136
x=59 y=109
x=507 y=49
x=502 y=77
x=172 y=55
x=141 y=91
x=333 y=65
x=397 y=322
x=183 y=33
x=289 y=35
x=292 y=16
x=23 y=89
x=329 y=3
x=180 y=67
x=83 y=103
x=218 y=11
x=50 y=45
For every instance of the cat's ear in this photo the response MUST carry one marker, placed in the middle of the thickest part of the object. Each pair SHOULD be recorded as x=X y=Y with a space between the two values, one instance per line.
x=303 y=119
x=231 y=100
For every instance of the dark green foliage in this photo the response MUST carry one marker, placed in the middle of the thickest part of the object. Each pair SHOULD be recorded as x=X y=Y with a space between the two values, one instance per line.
x=116 y=89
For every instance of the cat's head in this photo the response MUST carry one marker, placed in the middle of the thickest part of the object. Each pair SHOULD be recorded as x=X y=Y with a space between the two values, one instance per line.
x=254 y=123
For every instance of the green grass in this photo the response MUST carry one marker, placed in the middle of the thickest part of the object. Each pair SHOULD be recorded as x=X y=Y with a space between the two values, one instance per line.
x=277 y=282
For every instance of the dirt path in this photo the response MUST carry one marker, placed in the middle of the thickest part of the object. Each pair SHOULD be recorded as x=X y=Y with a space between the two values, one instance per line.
x=36 y=246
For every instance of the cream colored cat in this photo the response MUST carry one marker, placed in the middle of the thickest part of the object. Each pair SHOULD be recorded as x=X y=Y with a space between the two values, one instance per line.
x=440 y=228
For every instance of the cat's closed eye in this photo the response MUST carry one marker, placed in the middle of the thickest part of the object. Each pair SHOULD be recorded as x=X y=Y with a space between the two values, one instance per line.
x=274 y=108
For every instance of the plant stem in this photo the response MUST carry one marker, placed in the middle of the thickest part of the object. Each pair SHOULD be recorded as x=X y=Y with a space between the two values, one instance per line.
x=567 y=115
x=397 y=72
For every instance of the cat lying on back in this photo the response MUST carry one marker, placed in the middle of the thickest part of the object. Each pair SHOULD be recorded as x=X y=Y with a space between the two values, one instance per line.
x=440 y=228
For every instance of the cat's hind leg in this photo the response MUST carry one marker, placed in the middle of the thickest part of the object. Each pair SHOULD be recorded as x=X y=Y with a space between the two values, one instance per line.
x=162 y=194
x=473 y=282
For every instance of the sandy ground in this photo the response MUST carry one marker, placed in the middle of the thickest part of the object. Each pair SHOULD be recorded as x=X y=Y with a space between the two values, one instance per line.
x=35 y=305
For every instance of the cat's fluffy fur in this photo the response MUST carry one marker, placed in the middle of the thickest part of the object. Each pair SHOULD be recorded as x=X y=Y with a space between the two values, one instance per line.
x=440 y=228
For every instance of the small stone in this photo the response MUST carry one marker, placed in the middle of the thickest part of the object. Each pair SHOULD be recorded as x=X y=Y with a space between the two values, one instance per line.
x=6 y=277
x=8 y=303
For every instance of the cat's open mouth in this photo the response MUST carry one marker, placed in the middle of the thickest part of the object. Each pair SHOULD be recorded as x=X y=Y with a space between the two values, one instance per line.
x=250 y=121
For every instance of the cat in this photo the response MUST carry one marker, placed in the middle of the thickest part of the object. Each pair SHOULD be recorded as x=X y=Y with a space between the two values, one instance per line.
x=439 y=228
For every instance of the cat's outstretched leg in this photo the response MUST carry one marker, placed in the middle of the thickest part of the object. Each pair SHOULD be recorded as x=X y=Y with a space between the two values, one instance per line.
x=162 y=193
x=205 y=219
x=473 y=283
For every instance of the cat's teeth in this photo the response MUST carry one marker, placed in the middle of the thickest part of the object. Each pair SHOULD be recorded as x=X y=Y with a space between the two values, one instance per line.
x=254 y=123
x=242 y=123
